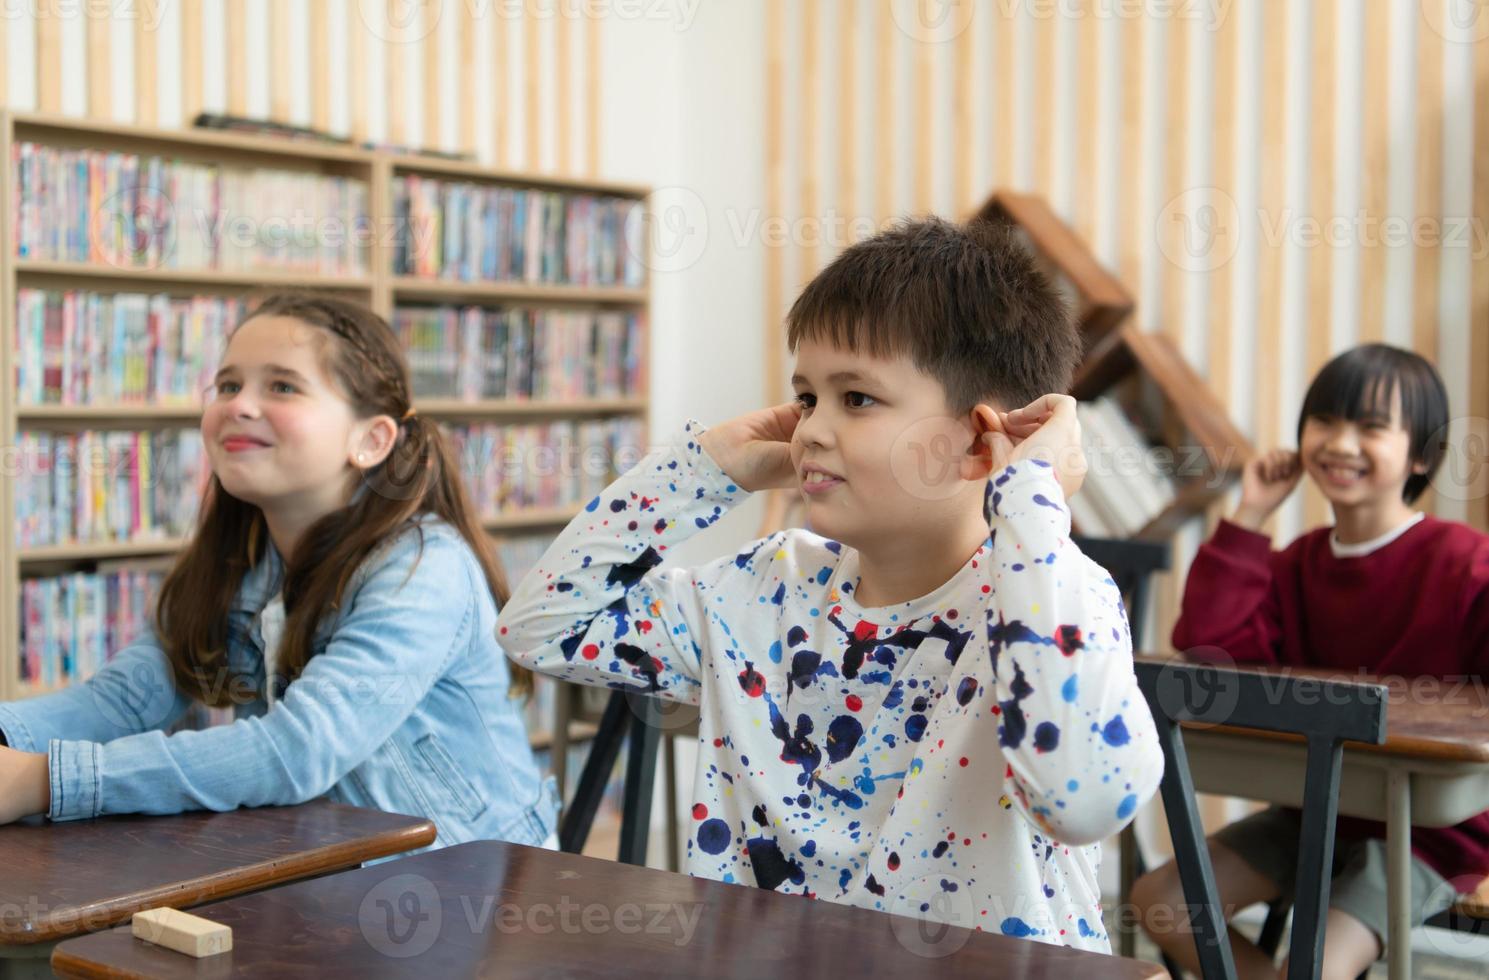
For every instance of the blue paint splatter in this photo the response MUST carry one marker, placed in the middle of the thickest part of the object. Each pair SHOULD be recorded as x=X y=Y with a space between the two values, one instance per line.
x=915 y=727
x=1014 y=926
x=713 y=836
x=1115 y=732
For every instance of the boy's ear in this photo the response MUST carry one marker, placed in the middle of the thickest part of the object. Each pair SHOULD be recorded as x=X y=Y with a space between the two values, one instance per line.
x=977 y=462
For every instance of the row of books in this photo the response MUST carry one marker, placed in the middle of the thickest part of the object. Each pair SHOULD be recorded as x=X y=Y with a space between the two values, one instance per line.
x=473 y=353
x=1128 y=481
x=72 y=624
x=546 y=464
x=98 y=486
x=520 y=554
x=151 y=212
x=469 y=232
x=95 y=486
x=78 y=348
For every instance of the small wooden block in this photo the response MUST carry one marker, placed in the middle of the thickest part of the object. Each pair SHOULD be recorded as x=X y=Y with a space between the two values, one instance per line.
x=183 y=932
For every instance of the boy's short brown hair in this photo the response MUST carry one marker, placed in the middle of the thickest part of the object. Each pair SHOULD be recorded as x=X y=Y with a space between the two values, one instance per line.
x=966 y=303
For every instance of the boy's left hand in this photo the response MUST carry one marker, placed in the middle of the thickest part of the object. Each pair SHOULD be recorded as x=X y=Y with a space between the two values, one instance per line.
x=25 y=785
x=1045 y=429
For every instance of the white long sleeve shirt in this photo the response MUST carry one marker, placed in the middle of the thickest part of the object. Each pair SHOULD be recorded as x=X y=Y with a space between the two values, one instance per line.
x=955 y=757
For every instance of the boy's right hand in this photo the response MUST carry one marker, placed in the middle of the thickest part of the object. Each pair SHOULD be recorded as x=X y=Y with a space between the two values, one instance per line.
x=754 y=450
x=1265 y=484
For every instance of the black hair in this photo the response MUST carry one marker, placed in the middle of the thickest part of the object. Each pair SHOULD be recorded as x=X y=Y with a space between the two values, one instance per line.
x=1360 y=383
x=966 y=303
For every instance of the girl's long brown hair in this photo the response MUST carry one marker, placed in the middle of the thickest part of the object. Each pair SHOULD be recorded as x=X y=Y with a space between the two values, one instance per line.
x=420 y=476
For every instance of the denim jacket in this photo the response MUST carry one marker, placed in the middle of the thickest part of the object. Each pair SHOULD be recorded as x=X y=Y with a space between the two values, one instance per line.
x=402 y=707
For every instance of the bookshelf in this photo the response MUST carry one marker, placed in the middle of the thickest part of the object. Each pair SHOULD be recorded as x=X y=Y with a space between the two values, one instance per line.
x=377 y=283
x=1165 y=404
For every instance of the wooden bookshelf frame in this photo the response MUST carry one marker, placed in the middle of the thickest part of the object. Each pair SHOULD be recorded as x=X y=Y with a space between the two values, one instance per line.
x=1117 y=351
x=380 y=288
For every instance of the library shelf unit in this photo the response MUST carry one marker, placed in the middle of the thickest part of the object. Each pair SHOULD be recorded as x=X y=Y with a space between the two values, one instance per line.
x=378 y=286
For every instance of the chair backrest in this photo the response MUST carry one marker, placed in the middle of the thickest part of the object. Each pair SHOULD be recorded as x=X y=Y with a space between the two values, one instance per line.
x=1131 y=565
x=1324 y=712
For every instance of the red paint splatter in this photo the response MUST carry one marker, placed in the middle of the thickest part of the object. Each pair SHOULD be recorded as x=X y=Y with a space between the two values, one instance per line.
x=854 y=702
x=590 y=651
x=1069 y=639
x=752 y=682
x=964 y=762
x=699 y=811
x=865 y=630
x=986 y=589
x=997 y=710
x=643 y=626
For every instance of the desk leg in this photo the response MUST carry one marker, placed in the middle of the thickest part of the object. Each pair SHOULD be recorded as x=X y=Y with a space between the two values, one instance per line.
x=1127 y=874
x=1398 y=871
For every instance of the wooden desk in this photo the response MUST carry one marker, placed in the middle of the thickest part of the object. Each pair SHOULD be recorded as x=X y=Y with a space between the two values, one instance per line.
x=65 y=879
x=490 y=908
x=1432 y=771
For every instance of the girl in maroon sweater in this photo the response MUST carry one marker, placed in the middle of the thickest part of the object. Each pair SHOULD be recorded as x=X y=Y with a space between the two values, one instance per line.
x=1387 y=590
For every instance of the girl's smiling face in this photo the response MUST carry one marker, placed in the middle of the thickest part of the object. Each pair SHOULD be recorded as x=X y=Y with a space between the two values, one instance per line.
x=276 y=426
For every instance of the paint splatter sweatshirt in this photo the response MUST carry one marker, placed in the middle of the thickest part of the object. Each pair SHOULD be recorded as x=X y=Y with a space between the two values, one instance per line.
x=958 y=756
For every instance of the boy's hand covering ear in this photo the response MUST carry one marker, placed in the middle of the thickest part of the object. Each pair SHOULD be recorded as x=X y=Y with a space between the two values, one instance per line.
x=755 y=449
x=1046 y=429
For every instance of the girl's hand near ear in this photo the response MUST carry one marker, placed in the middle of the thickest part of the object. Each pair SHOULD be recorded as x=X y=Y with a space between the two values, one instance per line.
x=1046 y=429
x=755 y=449
x=25 y=785
x=1266 y=482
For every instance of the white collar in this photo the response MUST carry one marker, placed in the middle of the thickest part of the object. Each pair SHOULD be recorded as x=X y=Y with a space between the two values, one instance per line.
x=1364 y=548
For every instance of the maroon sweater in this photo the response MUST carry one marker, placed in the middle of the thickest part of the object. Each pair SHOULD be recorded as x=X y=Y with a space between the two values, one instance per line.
x=1417 y=607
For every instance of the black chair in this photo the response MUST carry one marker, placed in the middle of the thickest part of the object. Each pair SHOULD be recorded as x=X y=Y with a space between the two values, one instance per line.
x=1131 y=565
x=639 y=720
x=1327 y=714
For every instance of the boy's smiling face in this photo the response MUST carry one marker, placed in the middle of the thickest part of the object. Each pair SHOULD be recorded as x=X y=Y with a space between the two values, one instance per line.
x=1364 y=461
x=878 y=452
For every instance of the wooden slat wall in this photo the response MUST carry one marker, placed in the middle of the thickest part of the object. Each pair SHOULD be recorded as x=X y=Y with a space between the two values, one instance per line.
x=577 y=107
x=1343 y=36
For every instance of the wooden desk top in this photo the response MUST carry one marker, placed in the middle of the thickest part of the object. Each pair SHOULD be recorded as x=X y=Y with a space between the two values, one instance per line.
x=64 y=879
x=490 y=908
x=1426 y=718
